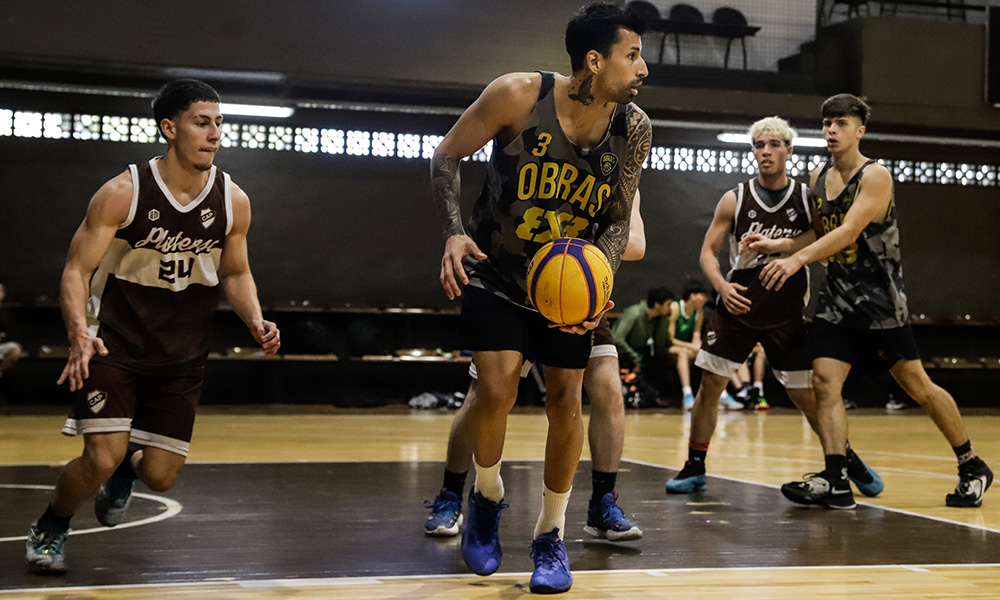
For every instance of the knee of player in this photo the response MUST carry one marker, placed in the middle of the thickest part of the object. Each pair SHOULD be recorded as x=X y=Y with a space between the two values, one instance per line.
x=606 y=397
x=563 y=406
x=101 y=462
x=492 y=403
x=822 y=382
x=160 y=481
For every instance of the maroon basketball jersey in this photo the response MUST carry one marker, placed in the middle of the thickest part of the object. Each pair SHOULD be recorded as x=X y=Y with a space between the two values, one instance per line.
x=791 y=216
x=153 y=295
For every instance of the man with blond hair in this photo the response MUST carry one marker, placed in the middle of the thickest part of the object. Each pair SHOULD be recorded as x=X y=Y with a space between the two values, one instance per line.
x=772 y=207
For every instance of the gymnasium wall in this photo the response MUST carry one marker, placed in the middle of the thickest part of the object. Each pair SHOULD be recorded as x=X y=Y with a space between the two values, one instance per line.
x=406 y=51
x=358 y=230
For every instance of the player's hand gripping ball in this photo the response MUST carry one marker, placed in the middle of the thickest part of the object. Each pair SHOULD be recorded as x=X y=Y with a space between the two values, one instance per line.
x=569 y=281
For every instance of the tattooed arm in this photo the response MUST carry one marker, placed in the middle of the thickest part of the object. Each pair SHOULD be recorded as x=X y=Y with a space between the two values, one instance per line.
x=613 y=236
x=504 y=105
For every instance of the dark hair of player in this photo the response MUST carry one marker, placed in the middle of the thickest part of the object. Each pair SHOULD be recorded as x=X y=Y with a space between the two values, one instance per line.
x=596 y=27
x=846 y=105
x=175 y=97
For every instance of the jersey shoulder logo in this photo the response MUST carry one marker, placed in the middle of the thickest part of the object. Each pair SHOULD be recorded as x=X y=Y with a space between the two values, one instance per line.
x=207 y=217
x=608 y=162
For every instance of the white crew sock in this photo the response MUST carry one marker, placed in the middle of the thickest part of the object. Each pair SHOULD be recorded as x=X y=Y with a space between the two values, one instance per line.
x=553 y=513
x=760 y=387
x=488 y=481
x=686 y=390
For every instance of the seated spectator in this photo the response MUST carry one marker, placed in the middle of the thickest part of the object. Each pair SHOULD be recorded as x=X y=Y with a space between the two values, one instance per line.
x=10 y=351
x=640 y=334
x=684 y=329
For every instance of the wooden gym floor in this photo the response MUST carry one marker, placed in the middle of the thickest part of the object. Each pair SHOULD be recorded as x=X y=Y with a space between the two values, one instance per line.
x=310 y=502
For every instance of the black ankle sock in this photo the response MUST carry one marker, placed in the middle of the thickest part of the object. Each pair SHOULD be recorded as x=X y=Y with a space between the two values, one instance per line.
x=50 y=521
x=125 y=470
x=836 y=466
x=697 y=457
x=604 y=483
x=455 y=482
x=964 y=453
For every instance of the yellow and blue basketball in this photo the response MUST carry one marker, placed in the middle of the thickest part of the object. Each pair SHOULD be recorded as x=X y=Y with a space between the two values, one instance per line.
x=569 y=281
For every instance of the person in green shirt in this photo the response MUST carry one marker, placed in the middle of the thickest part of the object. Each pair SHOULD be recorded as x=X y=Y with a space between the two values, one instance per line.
x=640 y=333
x=684 y=330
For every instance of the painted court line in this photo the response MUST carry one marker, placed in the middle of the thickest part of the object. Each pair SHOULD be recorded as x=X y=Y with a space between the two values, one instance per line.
x=344 y=581
x=778 y=487
x=170 y=508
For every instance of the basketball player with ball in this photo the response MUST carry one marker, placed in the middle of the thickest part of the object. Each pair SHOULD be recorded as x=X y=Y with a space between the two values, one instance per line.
x=605 y=429
x=568 y=152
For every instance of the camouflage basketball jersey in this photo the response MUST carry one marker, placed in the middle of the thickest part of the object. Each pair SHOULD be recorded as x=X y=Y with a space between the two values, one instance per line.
x=791 y=216
x=153 y=295
x=538 y=188
x=864 y=281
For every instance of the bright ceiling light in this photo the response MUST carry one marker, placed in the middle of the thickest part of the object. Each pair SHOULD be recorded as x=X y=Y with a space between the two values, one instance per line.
x=256 y=110
x=744 y=139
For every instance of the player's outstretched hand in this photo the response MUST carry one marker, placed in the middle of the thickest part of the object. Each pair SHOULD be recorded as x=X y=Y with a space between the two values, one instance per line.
x=78 y=365
x=735 y=302
x=266 y=334
x=587 y=326
x=455 y=248
x=777 y=272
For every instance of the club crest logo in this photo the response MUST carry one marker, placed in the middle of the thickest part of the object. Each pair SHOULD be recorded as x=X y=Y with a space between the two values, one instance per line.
x=792 y=213
x=207 y=217
x=96 y=400
x=154 y=215
x=608 y=162
x=752 y=214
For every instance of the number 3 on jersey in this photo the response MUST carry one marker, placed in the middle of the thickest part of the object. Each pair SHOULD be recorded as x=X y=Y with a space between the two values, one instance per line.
x=544 y=139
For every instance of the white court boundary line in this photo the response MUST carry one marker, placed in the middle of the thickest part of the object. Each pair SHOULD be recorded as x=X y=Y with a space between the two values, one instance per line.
x=342 y=581
x=778 y=487
x=298 y=462
x=171 y=509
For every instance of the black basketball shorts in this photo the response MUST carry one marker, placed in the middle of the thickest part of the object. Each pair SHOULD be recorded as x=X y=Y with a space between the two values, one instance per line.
x=604 y=345
x=727 y=343
x=871 y=351
x=491 y=323
x=157 y=410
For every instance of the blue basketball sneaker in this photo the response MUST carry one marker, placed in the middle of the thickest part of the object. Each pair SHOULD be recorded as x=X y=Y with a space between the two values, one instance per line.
x=688 y=481
x=864 y=477
x=551 y=575
x=113 y=500
x=44 y=551
x=688 y=402
x=481 y=536
x=446 y=515
x=607 y=520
